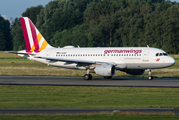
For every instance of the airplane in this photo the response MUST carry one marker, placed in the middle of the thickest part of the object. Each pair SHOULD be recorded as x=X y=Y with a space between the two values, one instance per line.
x=103 y=61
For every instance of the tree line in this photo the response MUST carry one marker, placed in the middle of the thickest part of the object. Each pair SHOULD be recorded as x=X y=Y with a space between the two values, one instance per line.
x=104 y=23
x=5 y=34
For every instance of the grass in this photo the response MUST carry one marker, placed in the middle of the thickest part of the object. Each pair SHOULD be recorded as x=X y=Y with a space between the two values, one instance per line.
x=12 y=60
x=89 y=117
x=5 y=55
x=14 y=96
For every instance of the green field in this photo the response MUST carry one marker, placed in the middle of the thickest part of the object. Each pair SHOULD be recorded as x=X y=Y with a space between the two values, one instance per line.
x=17 y=96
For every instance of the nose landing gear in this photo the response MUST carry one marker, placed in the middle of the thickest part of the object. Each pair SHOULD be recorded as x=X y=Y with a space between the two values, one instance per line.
x=150 y=74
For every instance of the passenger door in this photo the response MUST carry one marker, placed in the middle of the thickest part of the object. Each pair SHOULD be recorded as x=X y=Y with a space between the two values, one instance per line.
x=146 y=55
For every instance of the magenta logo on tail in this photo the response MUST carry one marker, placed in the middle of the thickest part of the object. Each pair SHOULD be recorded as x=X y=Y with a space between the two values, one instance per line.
x=24 y=29
x=34 y=36
x=33 y=39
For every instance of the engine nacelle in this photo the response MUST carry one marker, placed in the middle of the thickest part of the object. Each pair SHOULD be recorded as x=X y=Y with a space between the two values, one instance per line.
x=105 y=70
x=135 y=71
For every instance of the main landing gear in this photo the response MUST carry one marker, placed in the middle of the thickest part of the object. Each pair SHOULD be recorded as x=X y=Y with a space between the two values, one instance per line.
x=87 y=76
x=150 y=74
x=107 y=77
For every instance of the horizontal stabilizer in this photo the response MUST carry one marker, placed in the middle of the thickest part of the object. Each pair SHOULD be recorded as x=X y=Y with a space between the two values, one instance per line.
x=21 y=53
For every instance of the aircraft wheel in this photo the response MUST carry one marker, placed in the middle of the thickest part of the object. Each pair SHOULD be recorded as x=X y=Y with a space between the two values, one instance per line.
x=90 y=76
x=150 y=77
x=107 y=77
x=87 y=77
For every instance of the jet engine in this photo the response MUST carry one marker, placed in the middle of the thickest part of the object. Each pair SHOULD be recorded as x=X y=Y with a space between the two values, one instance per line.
x=105 y=70
x=135 y=71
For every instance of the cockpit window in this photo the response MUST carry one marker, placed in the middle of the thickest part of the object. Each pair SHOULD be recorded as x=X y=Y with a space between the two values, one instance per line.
x=165 y=54
x=161 y=54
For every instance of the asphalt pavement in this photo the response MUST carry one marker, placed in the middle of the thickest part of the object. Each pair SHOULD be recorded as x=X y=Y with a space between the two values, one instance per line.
x=96 y=81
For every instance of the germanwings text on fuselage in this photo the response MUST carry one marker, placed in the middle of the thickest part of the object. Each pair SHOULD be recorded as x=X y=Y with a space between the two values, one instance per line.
x=123 y=51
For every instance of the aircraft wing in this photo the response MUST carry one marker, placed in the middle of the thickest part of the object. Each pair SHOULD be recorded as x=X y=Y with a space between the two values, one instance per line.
x=70 y=60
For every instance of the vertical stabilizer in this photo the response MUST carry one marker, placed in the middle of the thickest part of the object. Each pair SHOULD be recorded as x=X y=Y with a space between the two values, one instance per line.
x=33 y=39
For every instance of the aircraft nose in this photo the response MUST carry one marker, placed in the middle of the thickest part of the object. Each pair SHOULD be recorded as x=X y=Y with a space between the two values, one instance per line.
x=171 y=61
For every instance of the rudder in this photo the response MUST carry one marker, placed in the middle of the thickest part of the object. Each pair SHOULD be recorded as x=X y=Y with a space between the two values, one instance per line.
x=33 y=39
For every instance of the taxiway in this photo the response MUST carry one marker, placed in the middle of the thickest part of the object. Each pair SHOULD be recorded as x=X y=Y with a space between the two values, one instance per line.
x=96 y=81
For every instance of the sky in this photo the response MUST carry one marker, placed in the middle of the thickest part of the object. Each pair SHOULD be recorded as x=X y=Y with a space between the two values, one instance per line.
x=14 y=8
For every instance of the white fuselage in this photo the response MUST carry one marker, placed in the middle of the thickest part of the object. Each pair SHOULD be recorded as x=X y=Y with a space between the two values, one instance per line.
x=121 y=57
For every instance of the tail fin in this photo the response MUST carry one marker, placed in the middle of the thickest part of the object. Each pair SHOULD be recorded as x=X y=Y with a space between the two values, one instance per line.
x=33 y=39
